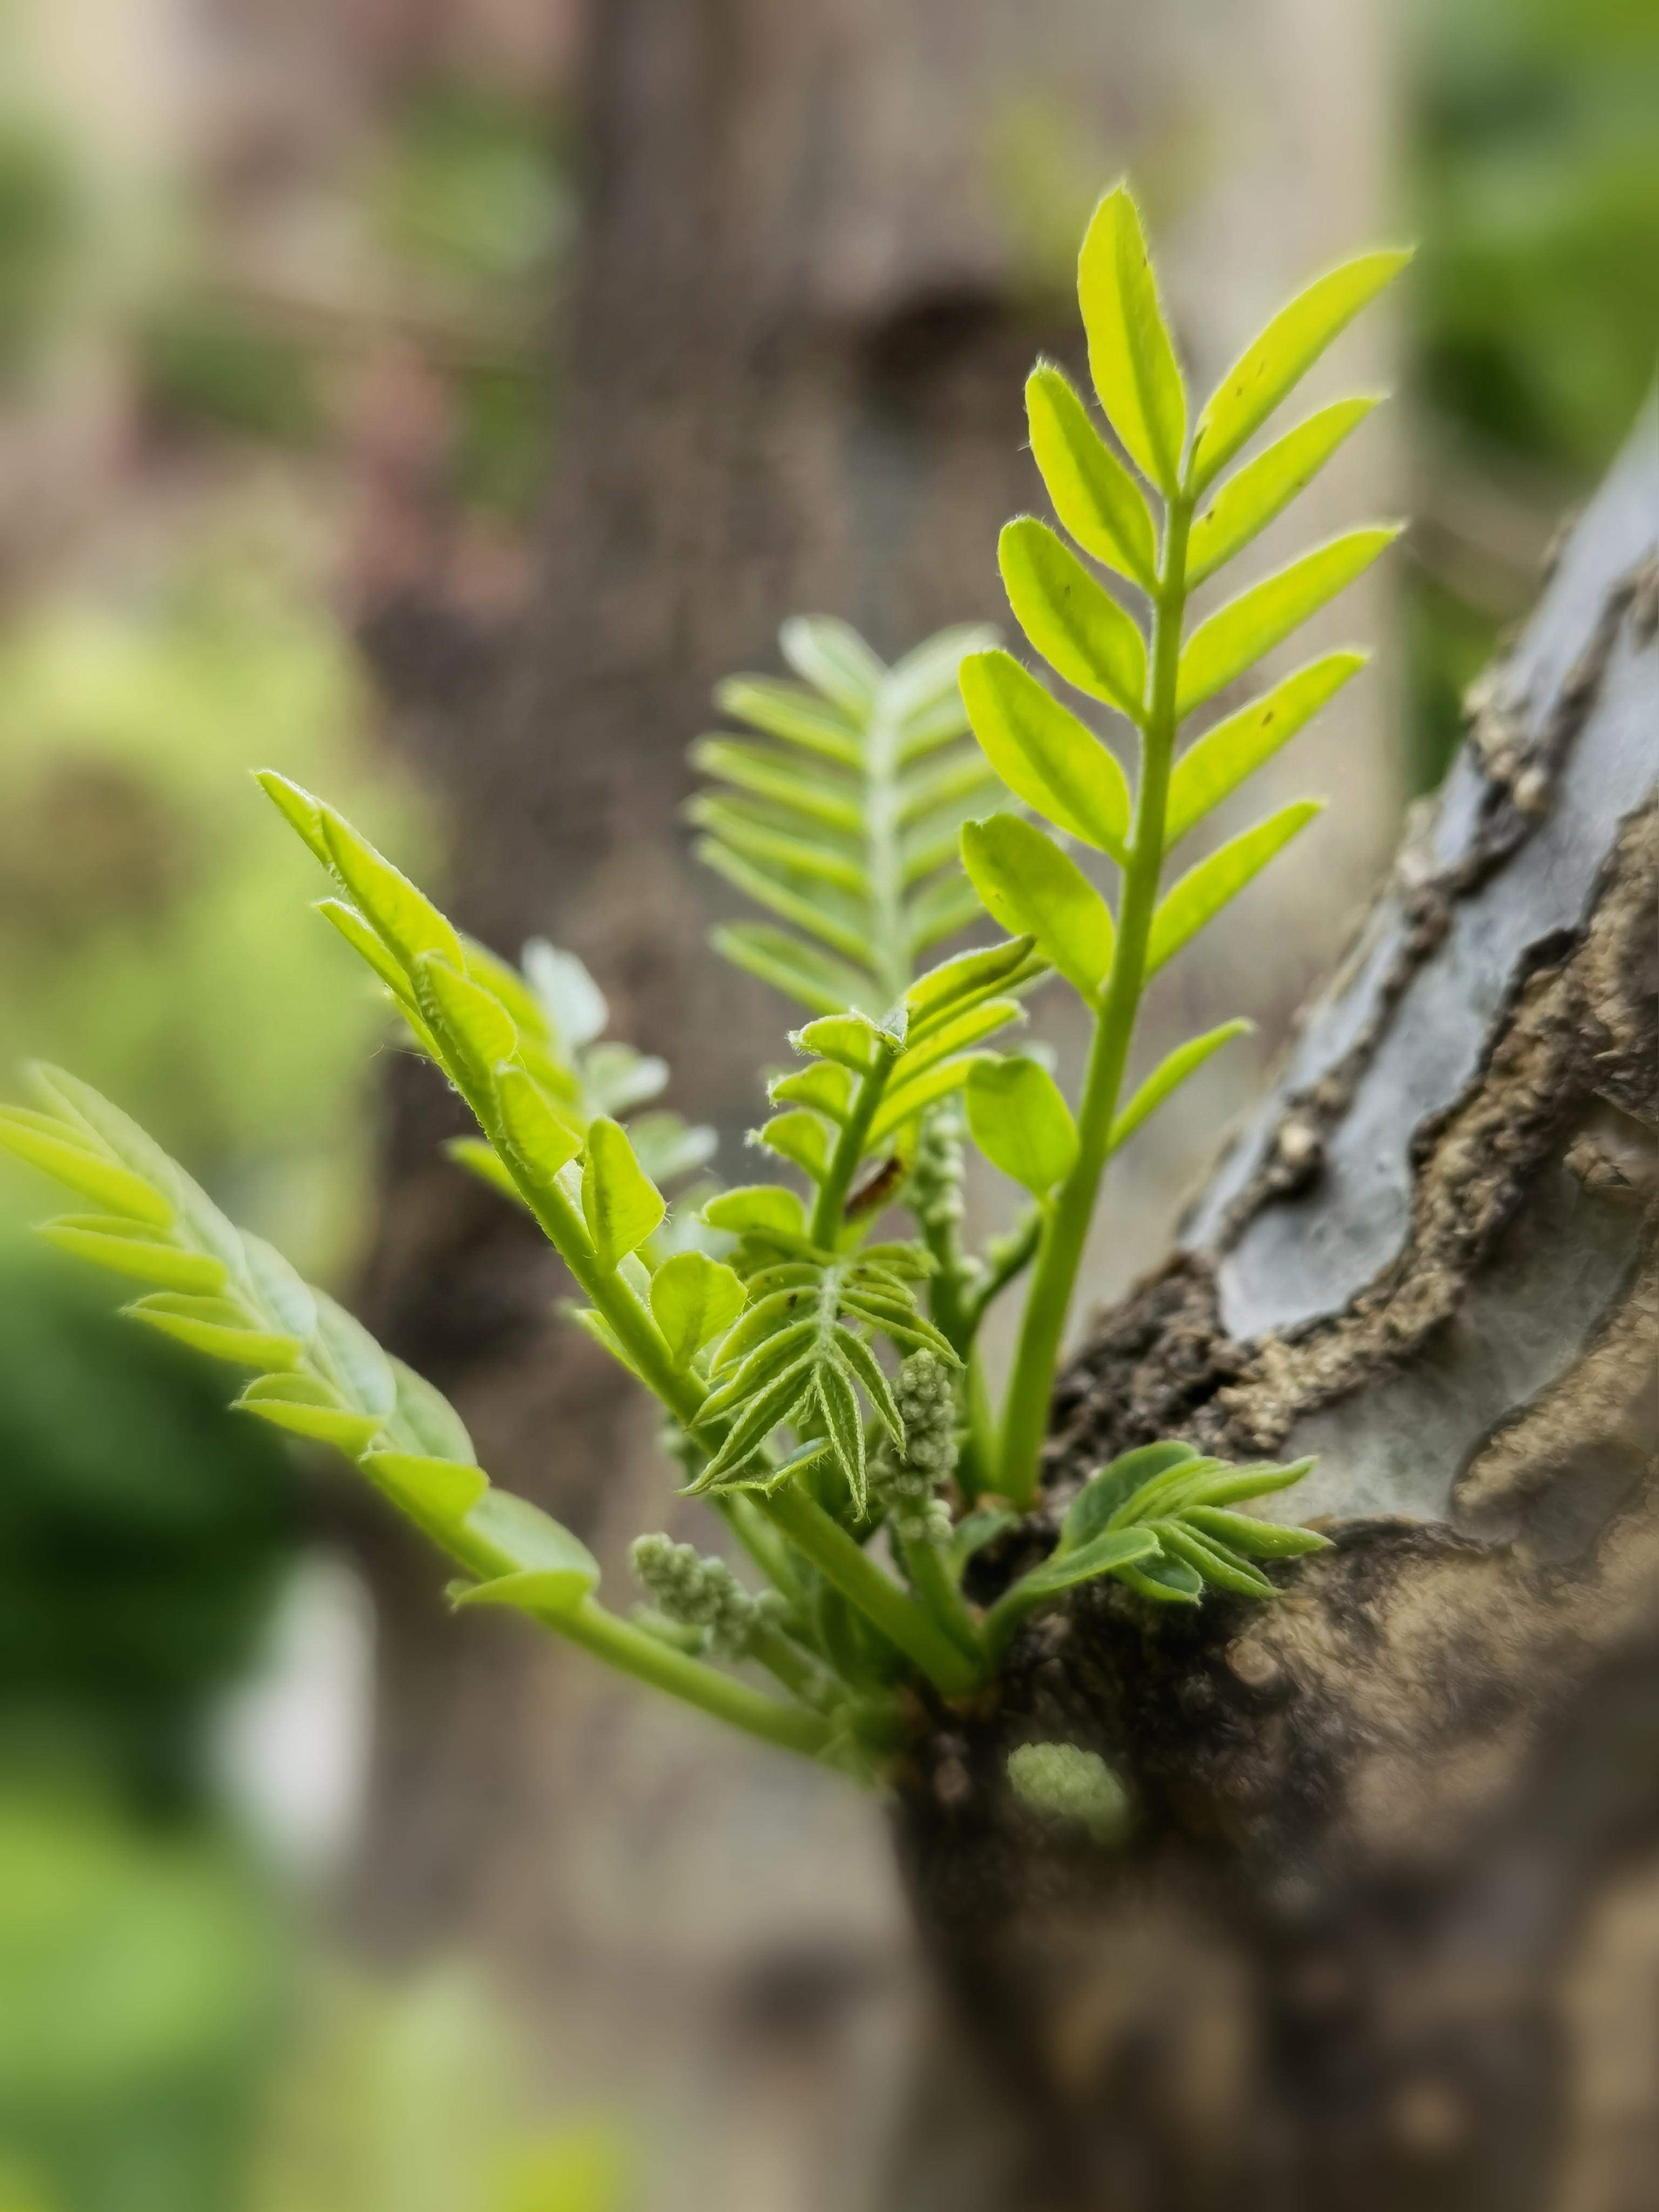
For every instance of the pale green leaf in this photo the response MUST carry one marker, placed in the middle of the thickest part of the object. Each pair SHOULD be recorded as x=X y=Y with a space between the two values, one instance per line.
x=223 y=1327
x=1170 y=1074
x=368 y=947
x=307 y=1408
x=1212 y=1561
x=1248 y=502
x=299 y=809
x=1131 y=357
x=812 y=979
x=832 y=656
x=59 y=1152
x=1021 y=1123
x=1214 y=765
x=839 y=1404
x=693 y=1300
x=404 y=917
x=1104 y=1554
x=471 y=1024
x=427 y=1419
x=757 y=1207
x=1094 y=495
x=1044 y=755
x=136 y=1249
x=1071 y=621
x=1206 y=889
x=1236 y=635
x=943 y=991
x=349 y=1354
x=826 y=1087
x=1263 y=1539
x=799 y=716
x=541 y=1141
x=855 y=1042
x=619 y=1203
x=1035 y=890
x=949 y=903
x=800 y=1138
x=1271 y=364
x=937 y=1081
x=1167 y=1582
x=283 y=1295
x=436 y=1493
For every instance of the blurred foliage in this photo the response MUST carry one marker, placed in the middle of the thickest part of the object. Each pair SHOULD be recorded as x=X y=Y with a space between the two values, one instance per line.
x=1534 y=184
x=151 y=926
x=39 y=230
x=471 y=184
x=410 y=2100
x=143 y=1529
x=139 y=1975
x=210 y=363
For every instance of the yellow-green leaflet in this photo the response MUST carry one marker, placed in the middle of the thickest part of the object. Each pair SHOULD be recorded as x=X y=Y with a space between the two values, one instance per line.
x=542 y=1142
x=1094 y=495
x=1271 y=364
x=1034 y=889
x=1131 y=358
x=619 y=1203
x=1044 y=754
x=1236 y=635
x=1205 y=890
x=1215 y=764
x=404 y=917
x=1170 y=1072
x=1074 y=622
x=1248 y=502
x=1021 y=1123
x=693 y=1299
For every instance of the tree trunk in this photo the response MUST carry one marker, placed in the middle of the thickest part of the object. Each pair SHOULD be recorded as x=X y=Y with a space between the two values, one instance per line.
x=1387 y=1933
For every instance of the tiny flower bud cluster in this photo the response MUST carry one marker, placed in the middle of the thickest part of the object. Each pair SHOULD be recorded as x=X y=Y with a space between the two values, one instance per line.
x=696 y=1592
x=905 y=1482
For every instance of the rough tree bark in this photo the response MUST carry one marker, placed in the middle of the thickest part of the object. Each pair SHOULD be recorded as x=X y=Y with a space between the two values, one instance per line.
x=1388 y=1932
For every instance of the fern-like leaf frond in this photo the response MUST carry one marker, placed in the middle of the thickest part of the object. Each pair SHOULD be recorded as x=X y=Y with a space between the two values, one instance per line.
x=843 y=823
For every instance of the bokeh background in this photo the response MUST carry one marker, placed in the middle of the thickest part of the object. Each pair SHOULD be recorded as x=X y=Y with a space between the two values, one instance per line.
x=428 y=397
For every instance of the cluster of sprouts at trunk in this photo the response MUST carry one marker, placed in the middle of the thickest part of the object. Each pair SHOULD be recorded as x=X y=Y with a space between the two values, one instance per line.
x=813 y=1339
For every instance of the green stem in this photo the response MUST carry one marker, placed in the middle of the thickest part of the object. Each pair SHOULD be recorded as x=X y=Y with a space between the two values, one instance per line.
x=1025 y=1416
x=859 y=1579
x=825 y=1230
x=800 y=1674
x=636 y=1653
x=976 y=1467
x=1013 y=1253
x=934 y=1584
x=760 y=1540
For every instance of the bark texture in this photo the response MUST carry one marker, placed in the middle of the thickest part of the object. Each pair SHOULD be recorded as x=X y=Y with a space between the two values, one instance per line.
x=1385 y=1934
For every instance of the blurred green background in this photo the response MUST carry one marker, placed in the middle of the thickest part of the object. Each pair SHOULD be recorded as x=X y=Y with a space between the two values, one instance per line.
x=246 y=383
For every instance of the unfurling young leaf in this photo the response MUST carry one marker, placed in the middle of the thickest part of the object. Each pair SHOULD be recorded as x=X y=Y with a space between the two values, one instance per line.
x=1034 y=889
x=1021 y=1122
x=1094 y=495
x=1271 y=364
x=1071 y=621
x=1044 y=755
x=1131 y=358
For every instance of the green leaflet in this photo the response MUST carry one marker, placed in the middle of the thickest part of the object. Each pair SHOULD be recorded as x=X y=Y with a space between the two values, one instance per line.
x=1035 y=890
x=1111 y=1487
x=1072 y=622
x=471 y=1021
x=405 y=918
x=1021 y=1123
x=694 y=1298
x=1094 y=495
x=1214 y=765
x=62 y=1154
x=621 y=1205
x=538 y=1566
x=1248 y=502
x=1205 y=890
x=1236 y=635
x=1131 y=358
x=1271 y=364
x=1170 y=1074
x=225 y=1329
x=757 y=1209
x=309 y=1407
x=542 y=1142
x=136 y=1249
x=845 y=828
x=1044 y=755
